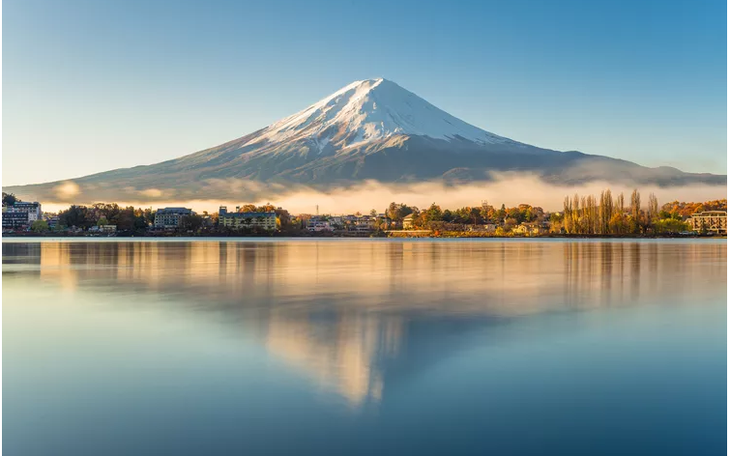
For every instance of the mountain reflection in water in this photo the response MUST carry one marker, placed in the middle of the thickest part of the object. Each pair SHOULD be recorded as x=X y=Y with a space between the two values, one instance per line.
x=341 y=311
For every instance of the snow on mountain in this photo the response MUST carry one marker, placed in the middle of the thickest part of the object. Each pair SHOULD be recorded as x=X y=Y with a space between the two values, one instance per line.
x=371 y=110
x=370 y=130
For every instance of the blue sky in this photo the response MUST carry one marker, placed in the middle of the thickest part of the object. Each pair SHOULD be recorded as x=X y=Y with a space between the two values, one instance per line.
x=94 y=85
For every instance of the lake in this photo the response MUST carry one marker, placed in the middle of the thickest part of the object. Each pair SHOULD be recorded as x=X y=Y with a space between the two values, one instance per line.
x=306 y=346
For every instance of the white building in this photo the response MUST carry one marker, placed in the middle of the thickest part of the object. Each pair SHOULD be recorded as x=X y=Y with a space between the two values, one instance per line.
x=315 y=224
x=21 y=214
x=169 y=217
x=237 y=220
x=408 y=222
x=709 y=221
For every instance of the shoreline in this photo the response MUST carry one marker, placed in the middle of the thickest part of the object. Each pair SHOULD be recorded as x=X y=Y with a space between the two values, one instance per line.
x=30 y=236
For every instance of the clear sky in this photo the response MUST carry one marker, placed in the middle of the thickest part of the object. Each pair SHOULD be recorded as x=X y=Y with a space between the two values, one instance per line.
x=95 y=85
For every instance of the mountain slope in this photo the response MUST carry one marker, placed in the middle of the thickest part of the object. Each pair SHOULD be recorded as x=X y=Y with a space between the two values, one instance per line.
x=369 y=111
x=369 y=130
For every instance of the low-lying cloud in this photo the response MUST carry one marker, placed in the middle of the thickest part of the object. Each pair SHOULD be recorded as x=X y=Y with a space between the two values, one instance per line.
x=510 y=189
x=67 y=191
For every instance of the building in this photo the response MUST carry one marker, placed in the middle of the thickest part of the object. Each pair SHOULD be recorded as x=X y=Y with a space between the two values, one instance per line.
x=15 y=220
x=169 y=217
x=317 y=224
x=527 y=229
x=520 y=229
x=21 y=215
x=108 y=229
x=536 y=228
x=32 y=209
x=237 y=220
x=337 y=221
x=383 y=221
x=709 y=222
x=408 y=222
x=364 y=224
x=52 y=221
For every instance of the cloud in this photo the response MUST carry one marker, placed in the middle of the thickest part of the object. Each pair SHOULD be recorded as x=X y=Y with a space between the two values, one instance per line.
x=66 y=191
x=510 y=189
x=152 y=193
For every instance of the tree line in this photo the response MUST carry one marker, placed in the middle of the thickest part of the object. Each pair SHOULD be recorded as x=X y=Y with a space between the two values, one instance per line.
x=138 y=220
x=435 y=217
x=607 y=215
x=125 y=218
x=582 y=215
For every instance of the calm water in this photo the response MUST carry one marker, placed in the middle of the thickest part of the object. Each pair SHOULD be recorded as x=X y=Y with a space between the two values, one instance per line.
x=364 y=347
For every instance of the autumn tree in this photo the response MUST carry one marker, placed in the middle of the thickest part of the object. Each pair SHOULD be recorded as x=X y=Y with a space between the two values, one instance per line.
x=603 y=215
x=619 y=206
x=501 y=213
x=683 y=210
x=487 y=212
x=556 y=222
x=653 y=212
x=568 y=215
x=605 y=212
x=433 y=213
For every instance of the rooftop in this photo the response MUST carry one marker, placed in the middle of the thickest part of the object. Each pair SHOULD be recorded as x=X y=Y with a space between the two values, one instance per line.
x=249 y=214
x=175 y=210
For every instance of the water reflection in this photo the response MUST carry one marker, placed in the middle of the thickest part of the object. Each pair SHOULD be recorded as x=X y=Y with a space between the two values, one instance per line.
x=340 y=355
x=343 y=312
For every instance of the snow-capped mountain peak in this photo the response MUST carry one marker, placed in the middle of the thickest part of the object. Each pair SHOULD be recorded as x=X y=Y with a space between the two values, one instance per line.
x=371 y=110
x=370 y=130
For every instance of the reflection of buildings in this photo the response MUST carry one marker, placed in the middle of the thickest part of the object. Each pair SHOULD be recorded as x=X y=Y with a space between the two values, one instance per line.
x=492 y=278
x=21 y=255
x=337 y=310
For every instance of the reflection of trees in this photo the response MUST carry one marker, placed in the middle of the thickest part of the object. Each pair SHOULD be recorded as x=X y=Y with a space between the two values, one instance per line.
x=21 y=256
x=614 y=273
x=493 y=278
x=335 y=310
x=21 y=253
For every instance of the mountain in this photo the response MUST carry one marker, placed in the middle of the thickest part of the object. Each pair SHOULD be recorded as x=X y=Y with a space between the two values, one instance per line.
x=369 y=130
